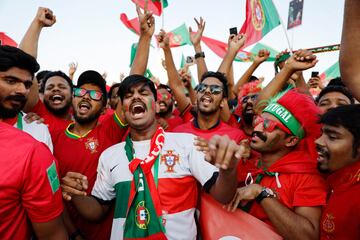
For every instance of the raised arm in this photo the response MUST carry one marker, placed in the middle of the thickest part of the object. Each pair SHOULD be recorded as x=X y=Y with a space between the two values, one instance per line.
x=350 y=48
x=29 y=44
x=299 y=61
x=196 y=42
x=261 y=57
x=72 y=69
x=147 y=28
x=175 y=82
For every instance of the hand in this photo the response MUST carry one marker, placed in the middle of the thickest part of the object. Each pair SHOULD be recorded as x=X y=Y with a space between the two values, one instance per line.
x=315 y=82
x=301 y=60
x=163 y=39
x=224 y=153
x=163 y=123
x=244 y=195
x=122 y=76
x=72 y=68
x=155 y=80
x=262 y=56
x=45 y=17
x=104 y=75
x=185 y=78
x=31 y=117
x=235 y=42
x=196 y=37
x=146 y=20
x=74 y=184
x=201 y=144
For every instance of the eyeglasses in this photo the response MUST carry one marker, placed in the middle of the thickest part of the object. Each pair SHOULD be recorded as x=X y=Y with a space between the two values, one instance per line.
x=269 y=125
x=94 y=95
x=246 y=98
x=214 y=89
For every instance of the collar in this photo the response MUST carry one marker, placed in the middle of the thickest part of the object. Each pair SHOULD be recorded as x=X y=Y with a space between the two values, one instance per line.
x=345 y=177
x=196 y=124
x=73 y=135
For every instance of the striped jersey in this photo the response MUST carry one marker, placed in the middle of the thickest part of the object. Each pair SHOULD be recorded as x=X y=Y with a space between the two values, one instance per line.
x=181 y=167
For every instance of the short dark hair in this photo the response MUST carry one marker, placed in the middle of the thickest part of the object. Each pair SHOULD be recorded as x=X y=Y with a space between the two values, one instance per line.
x=15 y=57
x=133 y=80
x=221 y=77
x=57 y=74
x=95 y=78
x=41 y=74
x=164 y=86
x=346 y=116
x=115 y=85
x=336 y=85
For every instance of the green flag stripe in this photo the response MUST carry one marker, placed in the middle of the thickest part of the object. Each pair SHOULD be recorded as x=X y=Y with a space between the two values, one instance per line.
x=122 y=190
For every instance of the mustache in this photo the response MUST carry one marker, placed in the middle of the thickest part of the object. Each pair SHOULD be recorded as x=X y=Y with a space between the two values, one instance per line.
x=259 y=135
x=19 y=98
x=322 y=151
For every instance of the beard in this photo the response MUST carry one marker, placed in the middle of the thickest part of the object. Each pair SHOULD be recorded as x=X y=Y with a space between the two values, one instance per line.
x=12 y=112
x=164 y=114
x=84 y=120
x=248 y=118
x=59 y=112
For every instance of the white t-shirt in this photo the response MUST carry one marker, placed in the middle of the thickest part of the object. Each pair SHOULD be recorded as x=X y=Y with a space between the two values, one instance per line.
x=39 y=131
x=181 y=167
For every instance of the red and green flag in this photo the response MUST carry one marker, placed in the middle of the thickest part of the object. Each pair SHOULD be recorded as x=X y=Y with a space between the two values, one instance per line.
x=132 y=24
x=260 y=46
x=331 y=72
x=134 y=46
x=261 y=18
x=6 y=40
x=153 y=5
x=179 y=36
x=220 y=48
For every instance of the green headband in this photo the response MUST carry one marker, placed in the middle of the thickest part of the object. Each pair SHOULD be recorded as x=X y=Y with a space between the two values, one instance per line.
x=286 y=118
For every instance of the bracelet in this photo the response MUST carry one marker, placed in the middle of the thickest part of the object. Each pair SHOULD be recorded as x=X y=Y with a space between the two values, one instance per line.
x=199 y=54
x=75 y=234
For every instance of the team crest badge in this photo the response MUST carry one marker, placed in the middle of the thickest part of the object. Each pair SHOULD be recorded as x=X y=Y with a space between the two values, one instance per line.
x=142 y=216
x=170 y=159
x=257 y=15
x=92 y=145
x=328 y=223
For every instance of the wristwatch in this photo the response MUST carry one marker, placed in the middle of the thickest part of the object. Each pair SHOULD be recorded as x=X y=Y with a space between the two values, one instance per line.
x=265 y=193
x=199 y=54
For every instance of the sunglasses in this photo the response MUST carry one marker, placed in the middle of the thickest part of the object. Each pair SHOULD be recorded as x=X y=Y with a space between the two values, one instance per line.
x=270 y=125
x=94 y=95
x=214 y=89
x=246 y=98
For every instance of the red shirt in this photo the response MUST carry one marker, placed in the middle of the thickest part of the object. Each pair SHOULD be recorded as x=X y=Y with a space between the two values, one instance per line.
x=81 y=154
x=341 y=216
x=29 y=184
x=221 y=129
x=300 y=183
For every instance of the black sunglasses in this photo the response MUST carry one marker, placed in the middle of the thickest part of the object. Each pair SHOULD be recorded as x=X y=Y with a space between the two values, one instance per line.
x=246 y=98
x=214 y=89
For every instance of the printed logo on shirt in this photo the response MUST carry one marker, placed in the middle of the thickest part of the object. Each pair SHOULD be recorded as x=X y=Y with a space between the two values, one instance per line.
x=53 y=177
x=170 y=159
x=92 y=145
x=328 y=223
x=142 y=216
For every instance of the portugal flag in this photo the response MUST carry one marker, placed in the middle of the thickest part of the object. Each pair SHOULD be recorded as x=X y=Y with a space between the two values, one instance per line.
x=261 y=18
x=331 y=73
x=217 y=223
x=153 y=5
x=179 y=36
x=132 y=24
x=6 y=40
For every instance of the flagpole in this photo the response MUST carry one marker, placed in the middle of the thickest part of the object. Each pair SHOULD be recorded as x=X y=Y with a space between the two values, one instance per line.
x=284 y=29
x=163 y=14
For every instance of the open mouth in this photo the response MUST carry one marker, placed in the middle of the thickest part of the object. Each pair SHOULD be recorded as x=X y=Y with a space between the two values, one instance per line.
x=56 y=99
x=137 y=109
x=323 y=155
x=84 y=107
x=206 y=99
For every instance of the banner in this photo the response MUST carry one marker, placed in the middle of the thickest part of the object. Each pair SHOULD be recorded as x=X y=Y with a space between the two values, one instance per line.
x=295 y=13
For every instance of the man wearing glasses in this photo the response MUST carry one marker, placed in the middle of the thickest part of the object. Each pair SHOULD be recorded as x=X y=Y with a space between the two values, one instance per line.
x=283 y=187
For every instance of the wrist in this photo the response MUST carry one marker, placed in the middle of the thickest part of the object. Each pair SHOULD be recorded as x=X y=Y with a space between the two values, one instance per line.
x=199 y=55
x=265 y=193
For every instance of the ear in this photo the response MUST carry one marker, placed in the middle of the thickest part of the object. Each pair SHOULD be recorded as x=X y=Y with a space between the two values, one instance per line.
x=291 y=141
x=223 y=102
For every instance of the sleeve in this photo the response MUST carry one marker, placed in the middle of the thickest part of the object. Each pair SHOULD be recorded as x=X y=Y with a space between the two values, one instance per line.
x=41 y=193
x=311 y=190
x=113 y=127
x=199 y=167
x=186 y=114
x=103 y=188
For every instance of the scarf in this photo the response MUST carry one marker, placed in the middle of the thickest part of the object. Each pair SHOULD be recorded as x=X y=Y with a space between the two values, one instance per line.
x=143 y=218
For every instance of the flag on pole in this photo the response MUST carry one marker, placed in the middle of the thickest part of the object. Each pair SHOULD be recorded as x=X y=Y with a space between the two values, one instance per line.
x=6 y=40
x=132 y=24
x=238 y=224
x=260 y=46
x=179 y=36
x=153 y=5
x=261 y=18
x=332 y=72
x=220 y=48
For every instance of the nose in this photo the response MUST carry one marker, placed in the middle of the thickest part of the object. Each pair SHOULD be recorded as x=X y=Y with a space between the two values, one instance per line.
x=21 y=89
x=259 y=127
x=320 y=140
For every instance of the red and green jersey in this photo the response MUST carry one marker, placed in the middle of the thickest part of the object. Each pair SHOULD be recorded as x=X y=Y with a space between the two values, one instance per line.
x=81 y=154
x=29 y=184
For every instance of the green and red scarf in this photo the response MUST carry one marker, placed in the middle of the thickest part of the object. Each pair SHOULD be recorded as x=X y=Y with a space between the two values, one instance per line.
x=144 y=214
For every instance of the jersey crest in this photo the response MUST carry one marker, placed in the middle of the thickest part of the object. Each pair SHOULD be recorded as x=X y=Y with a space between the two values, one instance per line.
x=170 y=159
x=142 y=215
x=328 y=223
x=92 y=144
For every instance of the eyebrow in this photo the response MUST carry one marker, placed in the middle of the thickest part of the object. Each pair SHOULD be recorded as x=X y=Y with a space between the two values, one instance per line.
x=329 y=131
